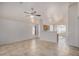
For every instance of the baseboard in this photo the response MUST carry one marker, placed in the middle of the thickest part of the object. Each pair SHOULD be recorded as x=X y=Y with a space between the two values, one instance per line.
x=11 y=42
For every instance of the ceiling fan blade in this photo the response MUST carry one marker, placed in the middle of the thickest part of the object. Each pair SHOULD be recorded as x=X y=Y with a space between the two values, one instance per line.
x=32 y=12
x=27 y=12
x=38 y=15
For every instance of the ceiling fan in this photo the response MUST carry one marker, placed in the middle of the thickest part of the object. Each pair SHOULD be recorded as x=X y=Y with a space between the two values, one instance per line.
x=32 y=12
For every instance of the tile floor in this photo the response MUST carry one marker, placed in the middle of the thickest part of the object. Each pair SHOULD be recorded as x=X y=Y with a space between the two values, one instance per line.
x=37 y=47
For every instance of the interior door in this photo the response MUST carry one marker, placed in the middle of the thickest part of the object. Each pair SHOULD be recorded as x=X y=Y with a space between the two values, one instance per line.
x=72 y=25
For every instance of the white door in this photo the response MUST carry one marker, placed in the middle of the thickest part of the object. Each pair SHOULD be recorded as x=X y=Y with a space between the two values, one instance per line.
x=73 y=25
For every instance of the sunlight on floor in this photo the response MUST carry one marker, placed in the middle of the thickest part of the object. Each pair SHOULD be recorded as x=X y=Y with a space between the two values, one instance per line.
x=62 y=42
x=33 y=45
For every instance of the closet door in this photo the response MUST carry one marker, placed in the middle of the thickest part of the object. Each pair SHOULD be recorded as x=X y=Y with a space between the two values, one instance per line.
x=72 y=25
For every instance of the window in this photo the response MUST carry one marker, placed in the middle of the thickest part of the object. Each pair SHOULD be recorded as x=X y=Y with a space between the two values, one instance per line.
x=51 y=28
x=61 y=28
x=33 y=30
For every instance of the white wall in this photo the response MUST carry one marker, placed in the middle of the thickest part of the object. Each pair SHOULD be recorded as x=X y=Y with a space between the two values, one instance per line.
x=12 y=31
x=49 y=36
x=15 y=25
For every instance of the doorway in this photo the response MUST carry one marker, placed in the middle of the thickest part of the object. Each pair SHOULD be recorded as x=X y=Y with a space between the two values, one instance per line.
x=36 y=31
x=61 y=31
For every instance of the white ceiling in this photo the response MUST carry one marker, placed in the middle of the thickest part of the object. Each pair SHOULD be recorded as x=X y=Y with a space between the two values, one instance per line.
x=50 y=11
